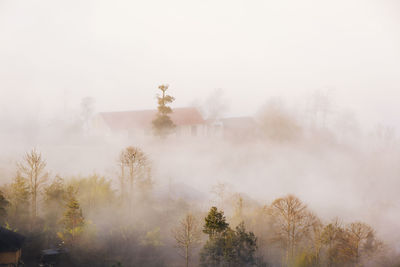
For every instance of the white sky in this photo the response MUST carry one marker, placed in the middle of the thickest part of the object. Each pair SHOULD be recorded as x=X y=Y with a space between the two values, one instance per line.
x=56 y=52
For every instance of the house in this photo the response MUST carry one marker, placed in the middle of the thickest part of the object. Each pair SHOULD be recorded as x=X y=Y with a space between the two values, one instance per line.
x=10 y=247
x=239 y=127
x=233 y=128
x=188 y=121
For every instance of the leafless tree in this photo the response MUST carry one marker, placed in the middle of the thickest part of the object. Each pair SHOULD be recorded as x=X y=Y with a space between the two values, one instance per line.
x=187 y=236
x=330 y=236
x=33 y=169
x=138 y=168
x=292 y=222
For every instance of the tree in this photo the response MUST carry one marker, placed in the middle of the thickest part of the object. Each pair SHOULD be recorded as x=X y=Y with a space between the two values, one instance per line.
x=95 y=192
x=54 y=196
x=33 y=167
x=277 y=123
x=87 y=111
x=73 y=220
x=18 y=196
x=139 y=170
x=216 y=227
x=3 y=207
x=215 y=223
x=227 y=247
x=162 y=124
x=357 y=241
x=215 y=105
x=330 y=237
x=291 y=222
x=245 y=246
x=187 y=236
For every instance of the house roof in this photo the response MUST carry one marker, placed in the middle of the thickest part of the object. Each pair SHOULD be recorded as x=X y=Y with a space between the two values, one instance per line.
x=123 y=120
x=9 y=240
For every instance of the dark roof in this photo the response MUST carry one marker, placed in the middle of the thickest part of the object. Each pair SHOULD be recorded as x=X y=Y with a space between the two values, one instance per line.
x=122 y=120
x=9 y=240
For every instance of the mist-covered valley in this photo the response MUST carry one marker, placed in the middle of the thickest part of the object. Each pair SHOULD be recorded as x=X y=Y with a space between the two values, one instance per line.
x=199 y=133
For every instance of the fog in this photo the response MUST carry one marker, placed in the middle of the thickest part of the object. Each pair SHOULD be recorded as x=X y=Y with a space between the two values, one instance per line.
x=228 y=59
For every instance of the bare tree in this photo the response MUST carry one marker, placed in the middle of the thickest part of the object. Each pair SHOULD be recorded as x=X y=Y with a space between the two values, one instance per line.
x=291 y=223
x=187 y=236
x=220 y=190
x=138 y=168
x=358 y=239
x=87 y=110
x=330 y=236
x=33 y=169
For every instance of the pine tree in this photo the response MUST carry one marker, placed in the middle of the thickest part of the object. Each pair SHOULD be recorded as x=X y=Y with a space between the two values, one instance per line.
x=54 y=198
x=3 y=207
x=227 y=247
x=214 y=251
x=73 y=220
x=162 y=124
x=19 y=195
x=215 y=222
x=245 y=246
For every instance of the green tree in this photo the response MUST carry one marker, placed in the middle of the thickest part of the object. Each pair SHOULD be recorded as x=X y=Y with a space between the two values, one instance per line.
x=162 y=124
x=95 y=193
x=227 y=247
x=18 y=196
x=215 y=222
x=54 y=196
x=245 y=246
x=3 y=207
x=73 y=220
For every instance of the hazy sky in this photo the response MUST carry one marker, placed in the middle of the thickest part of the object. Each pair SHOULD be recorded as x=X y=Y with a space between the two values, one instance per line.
x=53 y=53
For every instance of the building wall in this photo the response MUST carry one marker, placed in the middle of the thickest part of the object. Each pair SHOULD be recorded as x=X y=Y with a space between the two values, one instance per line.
x=191 y=130
x=10 y=257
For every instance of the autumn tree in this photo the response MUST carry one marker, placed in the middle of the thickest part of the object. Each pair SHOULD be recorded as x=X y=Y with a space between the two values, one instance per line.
x=357 y=242
x=73 y=220
x=187 y=236
x=33 y=169
x=292 y=222
x=162 y=124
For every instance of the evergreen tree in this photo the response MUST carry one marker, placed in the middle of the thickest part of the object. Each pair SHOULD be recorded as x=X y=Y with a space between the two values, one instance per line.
x=73 y=220
x=245 y=246
x=227 y=247
x=3 y=207
x=215 y=223
x=54 y=199
x=162 y=124
x=19 y=195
